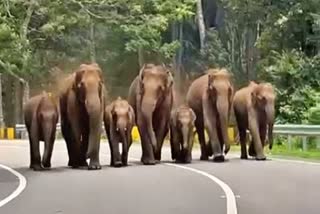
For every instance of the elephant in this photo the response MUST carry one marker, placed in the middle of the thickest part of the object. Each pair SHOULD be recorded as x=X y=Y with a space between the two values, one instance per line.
x=254 y=110
x=82 y=103
x=41 y=116
x=151 y=96
x=119 y=119
x=210 y=97
x=182 y=134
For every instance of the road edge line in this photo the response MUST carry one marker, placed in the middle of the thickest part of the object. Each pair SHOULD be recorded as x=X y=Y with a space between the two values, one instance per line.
x=18 y=190
x=231 y=199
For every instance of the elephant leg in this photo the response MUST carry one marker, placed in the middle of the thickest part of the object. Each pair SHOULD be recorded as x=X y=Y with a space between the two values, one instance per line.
x=46 y=159
x=174 y=144
x=68 y=137
x=163 y=129
x=263 y=133
x=111 y=152
x=242 y=135
x=211 y=125
x=201 y=137
x=84 y=145
x=254 y=130
x=35 y=158
x=76 y=144
x=116 y=153
x=242 y=129
x=147 y=157
x=124 y=157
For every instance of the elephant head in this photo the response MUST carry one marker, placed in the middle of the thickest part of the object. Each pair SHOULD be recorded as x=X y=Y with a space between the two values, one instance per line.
x=155 y=85
x=122 y=120
x=263 y=98
x=184 y=119
x=220 y=90
x=88 y=87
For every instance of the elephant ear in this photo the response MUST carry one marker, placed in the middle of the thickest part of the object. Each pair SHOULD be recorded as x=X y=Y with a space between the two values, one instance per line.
x=141 y=75
x=132 y=116
x=211 y=88
x=78 y=77
x=257 y=97
x=193 y=115
x=169 y=80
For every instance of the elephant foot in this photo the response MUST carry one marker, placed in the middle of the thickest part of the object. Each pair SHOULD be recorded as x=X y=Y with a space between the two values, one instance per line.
x=94 y=165
x=117 y=164
x=46 y=165
x=148 y=161
x=244 y=156
x=204 y=157
x=252 y=151
x=83 y=163
x=73 y=164
x=261 y=158
x=218 y=158
x=36 y=167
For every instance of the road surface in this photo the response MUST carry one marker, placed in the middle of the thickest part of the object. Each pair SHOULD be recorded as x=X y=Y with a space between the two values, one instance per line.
x=268 y=187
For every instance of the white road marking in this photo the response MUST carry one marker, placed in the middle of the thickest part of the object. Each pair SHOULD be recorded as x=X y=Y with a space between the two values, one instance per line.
x=21 y=187
x=231 y=199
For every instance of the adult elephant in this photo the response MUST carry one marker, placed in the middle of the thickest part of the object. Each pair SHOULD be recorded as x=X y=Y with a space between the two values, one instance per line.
x=82 y=106
x=210 y=97
x=151 y=96
x=254 y=110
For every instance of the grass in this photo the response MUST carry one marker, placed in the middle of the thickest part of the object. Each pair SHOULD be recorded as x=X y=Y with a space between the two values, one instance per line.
x=283 y=151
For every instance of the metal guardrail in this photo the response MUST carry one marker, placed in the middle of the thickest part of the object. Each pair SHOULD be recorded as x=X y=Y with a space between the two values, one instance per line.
x=288 y=130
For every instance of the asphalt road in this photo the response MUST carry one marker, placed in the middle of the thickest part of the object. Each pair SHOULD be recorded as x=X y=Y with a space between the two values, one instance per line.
x=269 y=187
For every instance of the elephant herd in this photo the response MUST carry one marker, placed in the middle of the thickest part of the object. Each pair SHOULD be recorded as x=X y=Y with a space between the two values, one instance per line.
x=151 y=106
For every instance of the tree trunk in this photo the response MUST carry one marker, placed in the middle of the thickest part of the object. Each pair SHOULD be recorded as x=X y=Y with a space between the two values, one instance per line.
x=17 y=101
x=92 y=43
x=179 y=58
x=201 y=24
x=140 y=57
x=1 y=106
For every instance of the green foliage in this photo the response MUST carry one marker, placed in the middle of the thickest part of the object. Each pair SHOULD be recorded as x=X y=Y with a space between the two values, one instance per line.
x=296 y=78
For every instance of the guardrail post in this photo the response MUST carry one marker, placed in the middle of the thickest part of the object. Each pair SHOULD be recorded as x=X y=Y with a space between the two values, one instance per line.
x=318 y=142
x=304 y=143
x=289 y=142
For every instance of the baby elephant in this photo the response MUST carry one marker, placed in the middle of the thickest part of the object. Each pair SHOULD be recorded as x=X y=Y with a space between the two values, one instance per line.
x=181 y=131
x=119 y=119
x=41 y=116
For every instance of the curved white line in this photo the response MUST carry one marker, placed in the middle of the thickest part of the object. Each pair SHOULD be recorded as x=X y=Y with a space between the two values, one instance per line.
x=231 y=199
x=21 y=187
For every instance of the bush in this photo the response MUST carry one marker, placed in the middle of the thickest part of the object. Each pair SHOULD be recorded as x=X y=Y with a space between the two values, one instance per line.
x=297 y=81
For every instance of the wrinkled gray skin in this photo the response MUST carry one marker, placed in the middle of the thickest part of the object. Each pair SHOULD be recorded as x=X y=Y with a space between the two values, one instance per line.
x=181 y=134
x=119 y=120
x=41 y=116
x=151 y=96
x=210 y=97
x=254 y=110
x=82 y=107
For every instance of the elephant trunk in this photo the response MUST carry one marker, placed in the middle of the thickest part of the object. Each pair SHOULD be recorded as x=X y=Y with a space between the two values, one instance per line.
x=124 y=139
x=147 y=107
x=222 y=108
x=94 y=110
x=270 y=121
x=185 y=137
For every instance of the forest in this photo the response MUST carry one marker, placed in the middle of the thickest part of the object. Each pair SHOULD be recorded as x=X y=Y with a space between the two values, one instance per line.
x=277 y=41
